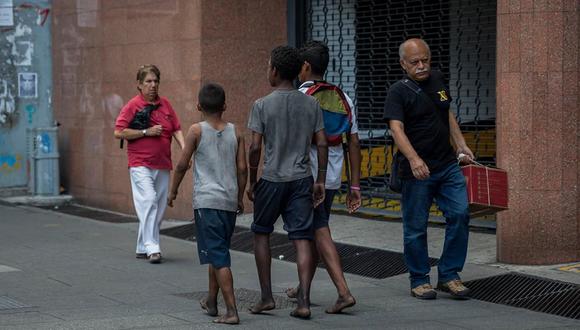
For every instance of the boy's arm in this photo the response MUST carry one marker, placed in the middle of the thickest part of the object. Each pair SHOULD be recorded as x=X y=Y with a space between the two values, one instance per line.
x=322 y=152
x=353 y=200
x=242 y=170
x=254 y=160
x=191 y=142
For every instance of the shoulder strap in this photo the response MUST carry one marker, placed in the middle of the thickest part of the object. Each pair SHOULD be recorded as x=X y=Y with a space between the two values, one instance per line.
x=415 y=88
x=317 y=85
x=410 y=84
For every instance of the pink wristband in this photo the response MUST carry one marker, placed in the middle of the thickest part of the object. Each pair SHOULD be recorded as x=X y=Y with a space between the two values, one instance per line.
x=354 y=188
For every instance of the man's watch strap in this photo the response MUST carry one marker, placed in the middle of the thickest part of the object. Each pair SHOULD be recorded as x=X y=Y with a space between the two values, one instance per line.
x=144 y=132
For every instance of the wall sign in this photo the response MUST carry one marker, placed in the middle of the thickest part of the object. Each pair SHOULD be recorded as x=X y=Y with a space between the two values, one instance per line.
x=6 y=13
x=27 y=85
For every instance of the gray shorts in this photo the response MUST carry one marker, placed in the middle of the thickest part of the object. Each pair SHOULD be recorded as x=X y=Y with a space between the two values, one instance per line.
x=291 y=200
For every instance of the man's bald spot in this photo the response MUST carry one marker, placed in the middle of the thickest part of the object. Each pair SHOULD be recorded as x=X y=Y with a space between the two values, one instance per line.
x=415 y=42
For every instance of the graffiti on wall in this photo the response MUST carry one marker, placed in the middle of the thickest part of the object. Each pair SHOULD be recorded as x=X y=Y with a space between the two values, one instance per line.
x=43 y=142
x=9 y=163
x=21 y=45
x=17 y=51
x=30 y=110
x=7 y=100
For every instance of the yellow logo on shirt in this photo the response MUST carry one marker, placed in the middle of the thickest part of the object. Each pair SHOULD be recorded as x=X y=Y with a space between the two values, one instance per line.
x=442 y=96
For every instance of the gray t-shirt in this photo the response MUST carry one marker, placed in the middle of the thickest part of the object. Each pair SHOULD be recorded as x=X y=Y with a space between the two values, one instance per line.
x=287 y=120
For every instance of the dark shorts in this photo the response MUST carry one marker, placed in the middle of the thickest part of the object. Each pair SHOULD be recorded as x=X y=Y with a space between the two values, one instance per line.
x=322 y=211
x=291 y=200
x=214 y=233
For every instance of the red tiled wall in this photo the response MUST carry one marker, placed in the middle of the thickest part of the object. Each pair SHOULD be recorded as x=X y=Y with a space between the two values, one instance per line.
x=96 y=53
x=538 y=129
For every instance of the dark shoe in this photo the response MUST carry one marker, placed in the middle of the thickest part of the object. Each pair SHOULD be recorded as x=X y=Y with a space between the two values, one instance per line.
x=141 y=255
x=455 y=288
x=424 y=291
x=154 y=258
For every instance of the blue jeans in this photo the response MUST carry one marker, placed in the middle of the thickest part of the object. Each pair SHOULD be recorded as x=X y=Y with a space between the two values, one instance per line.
x=448 y=188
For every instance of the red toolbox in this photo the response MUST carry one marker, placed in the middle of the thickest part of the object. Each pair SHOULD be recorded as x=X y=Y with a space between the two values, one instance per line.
x=487 y=189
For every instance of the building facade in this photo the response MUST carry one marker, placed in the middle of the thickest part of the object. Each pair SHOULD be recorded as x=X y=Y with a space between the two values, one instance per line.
x=512 y=67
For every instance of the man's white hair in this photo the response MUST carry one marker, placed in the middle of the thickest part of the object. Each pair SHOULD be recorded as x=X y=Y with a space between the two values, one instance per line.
x=402 y=47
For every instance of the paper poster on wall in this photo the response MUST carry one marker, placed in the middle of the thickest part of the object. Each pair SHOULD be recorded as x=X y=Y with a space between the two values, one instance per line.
x=27 y=85
x=6 y=13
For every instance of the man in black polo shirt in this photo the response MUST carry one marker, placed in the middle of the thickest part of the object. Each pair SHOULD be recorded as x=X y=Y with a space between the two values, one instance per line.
x=417 y=111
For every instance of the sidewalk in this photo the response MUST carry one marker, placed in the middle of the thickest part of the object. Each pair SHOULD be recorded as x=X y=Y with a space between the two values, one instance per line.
x=66 y=272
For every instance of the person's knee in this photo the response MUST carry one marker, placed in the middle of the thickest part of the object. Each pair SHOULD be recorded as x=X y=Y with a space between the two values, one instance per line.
x=302 y=243
x=323 y=238
x=459 y=215
x=221 y=268
x=261 y=230
x=416 y=217
x=411 y=238
x=261 y=242
x=415 y=226
x=149 y=199
x=261 y=237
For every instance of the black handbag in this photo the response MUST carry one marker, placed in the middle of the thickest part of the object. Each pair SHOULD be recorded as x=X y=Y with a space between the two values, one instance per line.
x=395 y=182
x=141 y=119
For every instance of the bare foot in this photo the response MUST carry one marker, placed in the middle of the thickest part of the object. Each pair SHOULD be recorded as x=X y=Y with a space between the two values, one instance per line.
x=340 y=304
x=228 y=319
x=292 y=293
x=209 y=307
x=262 y=306
x=301 y=313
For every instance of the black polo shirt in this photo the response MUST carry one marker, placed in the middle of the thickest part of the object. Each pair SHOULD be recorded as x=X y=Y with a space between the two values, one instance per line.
x=426 y=120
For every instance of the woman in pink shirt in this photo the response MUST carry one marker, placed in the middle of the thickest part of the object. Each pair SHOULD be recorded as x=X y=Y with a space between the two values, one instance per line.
x=149 y=155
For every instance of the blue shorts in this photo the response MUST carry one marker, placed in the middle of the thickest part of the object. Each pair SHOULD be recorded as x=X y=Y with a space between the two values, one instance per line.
x=214 y=234
x=322 y=211
x=292 y=200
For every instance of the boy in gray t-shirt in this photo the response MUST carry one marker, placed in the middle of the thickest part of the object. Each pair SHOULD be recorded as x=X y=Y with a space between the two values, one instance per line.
x=287 y=120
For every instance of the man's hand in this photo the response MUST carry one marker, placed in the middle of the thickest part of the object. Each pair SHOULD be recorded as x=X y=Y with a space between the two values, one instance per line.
x=467 y=157
x=317 y=193
x=155 y=130
x=419 y=168
x=250 y=191
x=171 y=198
x=353 y=201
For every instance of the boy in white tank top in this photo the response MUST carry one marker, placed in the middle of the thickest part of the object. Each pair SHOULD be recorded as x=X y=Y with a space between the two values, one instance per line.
x=220 y=175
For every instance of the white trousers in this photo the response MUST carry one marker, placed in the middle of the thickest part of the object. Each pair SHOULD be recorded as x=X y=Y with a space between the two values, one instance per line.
x=150 y=188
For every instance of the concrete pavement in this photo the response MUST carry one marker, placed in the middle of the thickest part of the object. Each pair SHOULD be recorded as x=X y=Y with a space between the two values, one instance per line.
x=59 y=271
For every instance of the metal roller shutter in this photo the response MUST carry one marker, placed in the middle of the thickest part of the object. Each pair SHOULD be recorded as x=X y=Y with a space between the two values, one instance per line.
x=364 y=38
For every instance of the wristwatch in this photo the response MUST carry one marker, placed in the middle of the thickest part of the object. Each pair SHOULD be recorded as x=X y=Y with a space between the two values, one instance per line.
x=144 y=132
